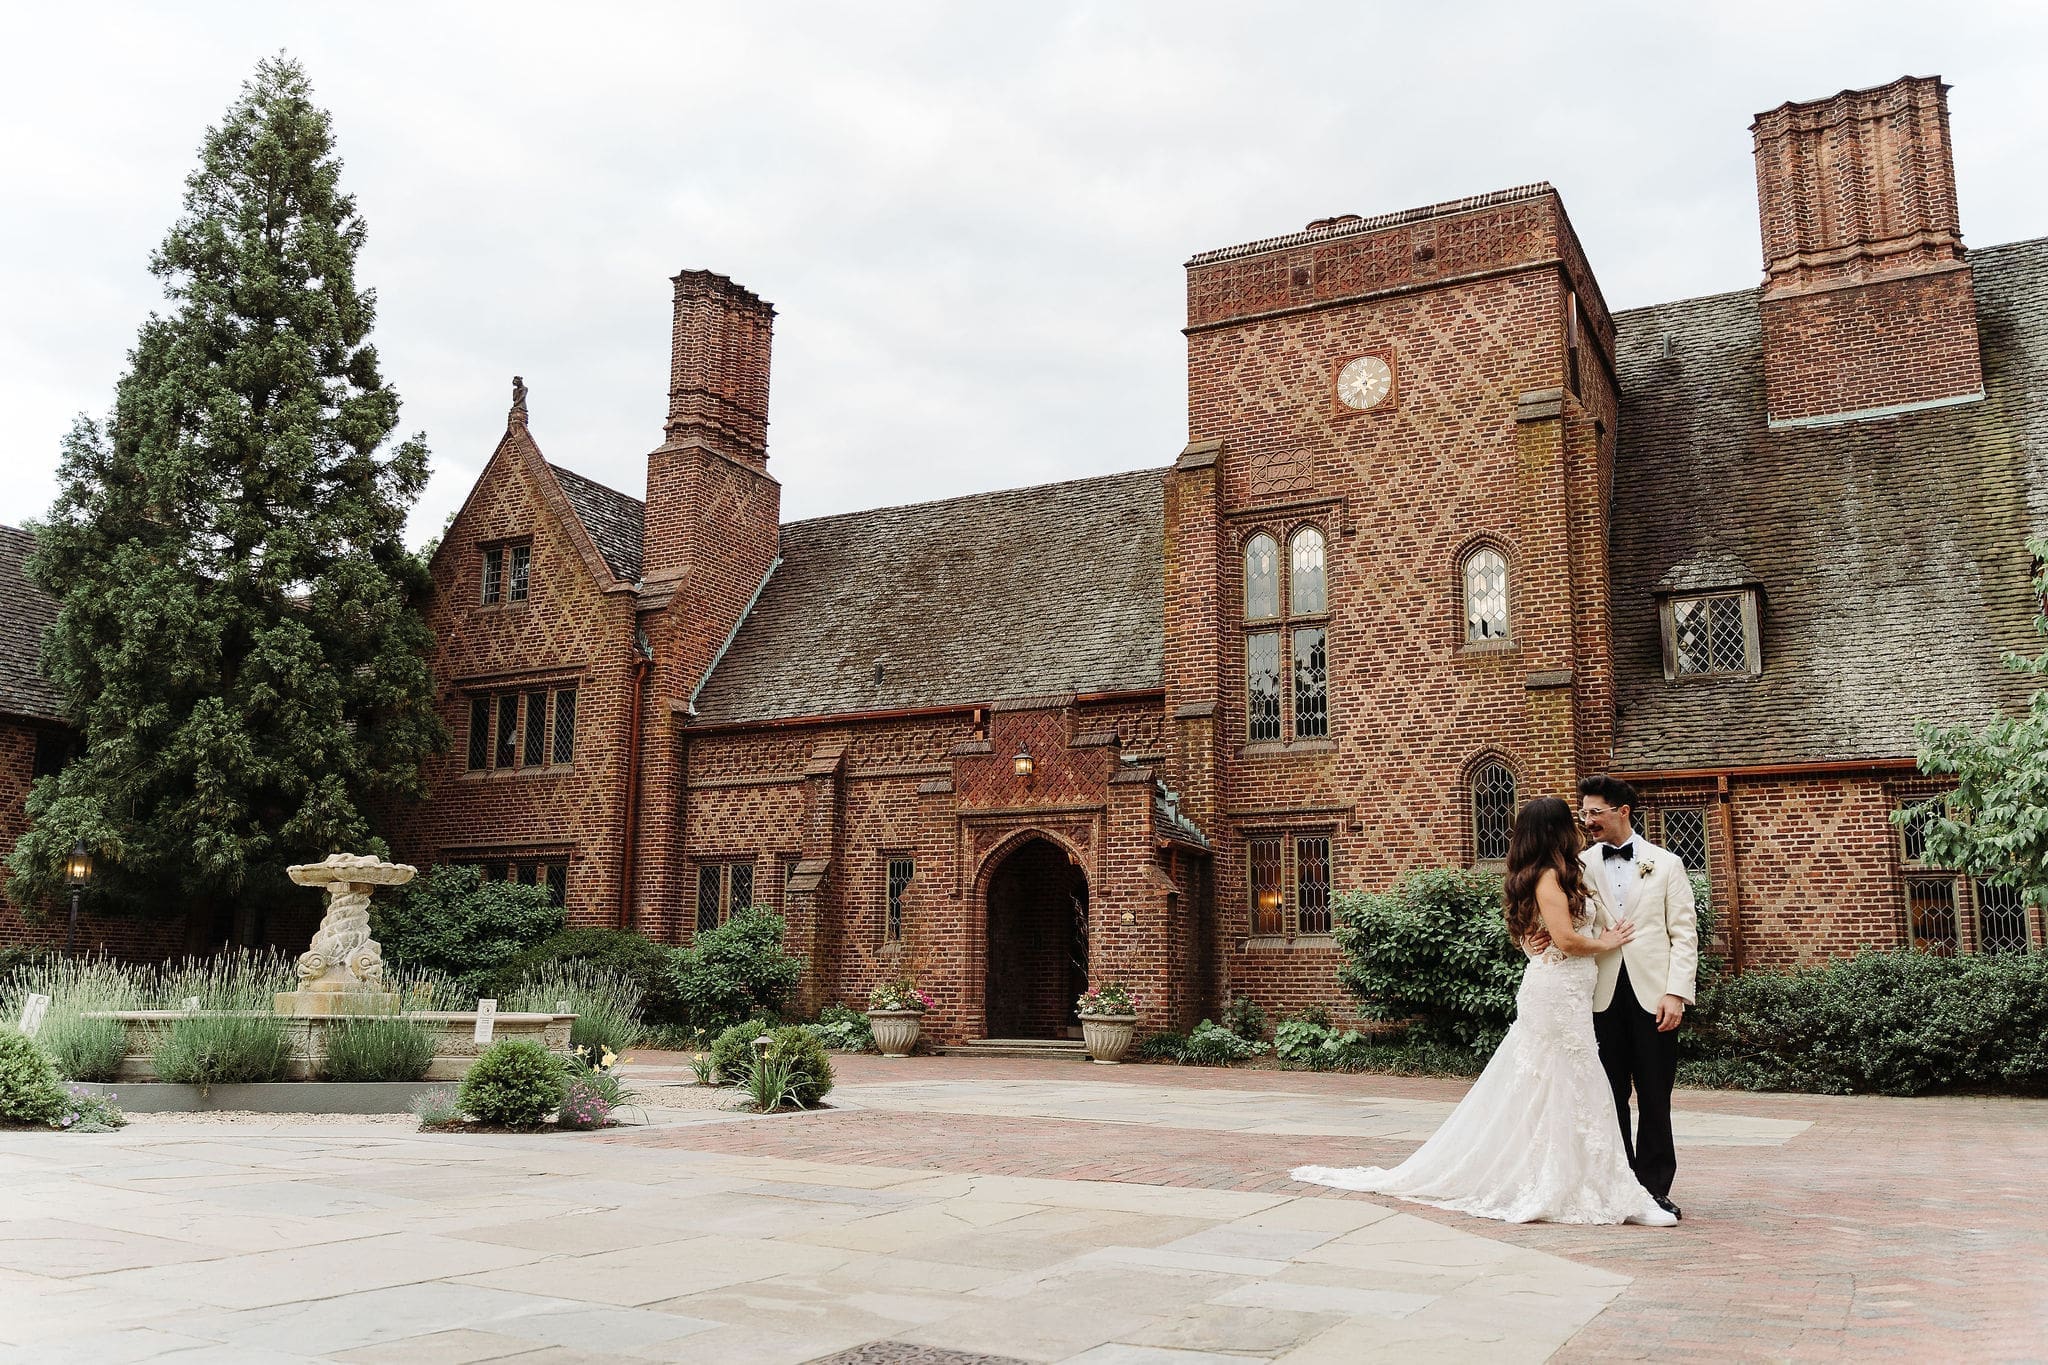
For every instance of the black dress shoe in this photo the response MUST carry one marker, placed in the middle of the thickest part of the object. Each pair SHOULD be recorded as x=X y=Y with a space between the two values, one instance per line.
x=1664 y=1203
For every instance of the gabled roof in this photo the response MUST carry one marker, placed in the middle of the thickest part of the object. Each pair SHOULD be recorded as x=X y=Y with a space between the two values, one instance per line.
x=26 y=611
x=1054 y=589
x=1890 y=552
x=616 y=522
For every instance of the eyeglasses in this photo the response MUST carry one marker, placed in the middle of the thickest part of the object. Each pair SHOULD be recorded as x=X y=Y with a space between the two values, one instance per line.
x=1595 y=812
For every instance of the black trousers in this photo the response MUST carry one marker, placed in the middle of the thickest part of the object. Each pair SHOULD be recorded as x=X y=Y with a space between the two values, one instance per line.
x=1639 y=1058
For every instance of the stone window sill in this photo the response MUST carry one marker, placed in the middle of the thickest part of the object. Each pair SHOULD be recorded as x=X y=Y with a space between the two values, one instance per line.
x=1265 y=748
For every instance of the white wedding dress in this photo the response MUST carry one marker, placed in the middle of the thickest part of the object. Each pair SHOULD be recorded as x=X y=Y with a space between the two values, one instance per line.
x=1535 y=1139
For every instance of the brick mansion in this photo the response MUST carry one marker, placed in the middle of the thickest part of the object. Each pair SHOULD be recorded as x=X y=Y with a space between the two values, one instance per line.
x=1444 y=533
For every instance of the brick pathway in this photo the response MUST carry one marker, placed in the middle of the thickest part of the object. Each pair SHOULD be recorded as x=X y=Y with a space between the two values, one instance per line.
x=1904 y=1228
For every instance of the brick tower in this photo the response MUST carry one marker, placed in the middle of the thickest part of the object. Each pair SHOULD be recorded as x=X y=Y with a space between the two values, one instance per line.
x=1868 y=307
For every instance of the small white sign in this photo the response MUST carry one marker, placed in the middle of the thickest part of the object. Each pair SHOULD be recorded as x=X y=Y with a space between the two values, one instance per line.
x=191 y=1004
x=486 y=1017
x=32 y=1014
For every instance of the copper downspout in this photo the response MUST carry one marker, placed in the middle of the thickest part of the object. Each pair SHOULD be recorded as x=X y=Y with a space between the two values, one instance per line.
x=641 y=666
x=1725 y=791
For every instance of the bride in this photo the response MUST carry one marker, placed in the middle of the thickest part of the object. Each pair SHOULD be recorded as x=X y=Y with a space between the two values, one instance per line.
x=1535 y=1139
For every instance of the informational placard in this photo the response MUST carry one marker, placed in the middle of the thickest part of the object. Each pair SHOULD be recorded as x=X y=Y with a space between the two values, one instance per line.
x=32 y=1012
x=486 y=1018
x=191 y=1004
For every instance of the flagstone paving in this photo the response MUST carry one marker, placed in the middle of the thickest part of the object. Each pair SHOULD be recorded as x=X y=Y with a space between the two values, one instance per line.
x=953 y=1211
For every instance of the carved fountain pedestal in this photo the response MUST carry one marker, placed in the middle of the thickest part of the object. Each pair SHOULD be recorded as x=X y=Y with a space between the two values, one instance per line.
x=343 y=972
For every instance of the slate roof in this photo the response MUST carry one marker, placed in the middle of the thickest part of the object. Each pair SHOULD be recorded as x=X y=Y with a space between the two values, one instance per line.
x=616 y=522
x=26 y=611
x=1890 y=552
x=1029 y=591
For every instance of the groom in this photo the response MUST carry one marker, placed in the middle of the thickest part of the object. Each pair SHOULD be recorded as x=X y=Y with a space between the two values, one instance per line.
x=1644 y=986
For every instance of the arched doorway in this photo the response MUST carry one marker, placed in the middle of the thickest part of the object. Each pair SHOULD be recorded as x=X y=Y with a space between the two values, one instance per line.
x=1037 y=942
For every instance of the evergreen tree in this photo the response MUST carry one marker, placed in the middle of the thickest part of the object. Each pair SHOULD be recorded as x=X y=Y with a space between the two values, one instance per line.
x=237 y=636
x=1994 y=825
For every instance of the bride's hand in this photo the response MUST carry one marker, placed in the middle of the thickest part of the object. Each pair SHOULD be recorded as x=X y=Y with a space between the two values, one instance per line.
x=1616 y=936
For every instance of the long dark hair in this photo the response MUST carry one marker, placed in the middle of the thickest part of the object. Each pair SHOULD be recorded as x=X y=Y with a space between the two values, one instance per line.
x=1545 y=838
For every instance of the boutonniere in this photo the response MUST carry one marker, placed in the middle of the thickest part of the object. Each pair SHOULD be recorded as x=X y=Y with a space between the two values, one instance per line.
x=1646 y=871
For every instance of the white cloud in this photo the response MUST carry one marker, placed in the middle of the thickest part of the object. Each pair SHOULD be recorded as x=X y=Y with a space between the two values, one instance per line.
x=971 y=217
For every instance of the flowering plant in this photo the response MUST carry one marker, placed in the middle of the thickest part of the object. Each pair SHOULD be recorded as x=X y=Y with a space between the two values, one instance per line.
x=1111 y=998
x=586 y=1104
x=899 y=995
x=598 y=1059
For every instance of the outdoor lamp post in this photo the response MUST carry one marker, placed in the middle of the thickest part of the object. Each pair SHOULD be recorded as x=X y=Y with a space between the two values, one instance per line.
x=77 y=872
x=1023 y=764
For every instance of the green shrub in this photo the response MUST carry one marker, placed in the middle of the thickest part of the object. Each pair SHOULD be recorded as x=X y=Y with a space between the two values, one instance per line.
x=514 y=1084
x=606 y=1002
x=453 y=922
x=803 y=1051
x=223 y=1049
x=648 y=965
x=1243 y=1017
x=1897 y=1023
x=1433 y=950
x=392 y=1049
x=1213 y=1045
x=84 y=1049
x=771 y=1083
x=1305 y=1041
x=733 y=1049
x=842 y=1029
x=1162 y=1047
x=736 y=971
x=29 y=1089
x=437 y=1108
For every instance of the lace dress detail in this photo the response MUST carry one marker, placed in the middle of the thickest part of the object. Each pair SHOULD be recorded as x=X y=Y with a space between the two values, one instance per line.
x=1535 y=1139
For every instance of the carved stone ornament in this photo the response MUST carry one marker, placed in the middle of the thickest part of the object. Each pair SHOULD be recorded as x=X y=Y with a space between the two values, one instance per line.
x=343 y=959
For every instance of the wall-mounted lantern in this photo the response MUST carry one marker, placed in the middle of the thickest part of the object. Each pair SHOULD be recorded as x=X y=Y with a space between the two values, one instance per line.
x=77 y=872
x=1023 y=764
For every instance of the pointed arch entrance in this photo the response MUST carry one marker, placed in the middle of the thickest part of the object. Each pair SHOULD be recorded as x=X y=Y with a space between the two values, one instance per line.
x=1037 y=915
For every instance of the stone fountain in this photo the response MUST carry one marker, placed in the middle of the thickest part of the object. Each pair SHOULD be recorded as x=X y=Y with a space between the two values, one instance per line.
x=343 y=972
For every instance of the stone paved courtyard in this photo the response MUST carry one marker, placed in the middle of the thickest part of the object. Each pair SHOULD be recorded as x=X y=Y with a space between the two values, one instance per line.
x=957 y=1210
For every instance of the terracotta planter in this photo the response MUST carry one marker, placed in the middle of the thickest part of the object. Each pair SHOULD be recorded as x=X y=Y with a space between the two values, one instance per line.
x=895 y=1030
x=1108 y=1036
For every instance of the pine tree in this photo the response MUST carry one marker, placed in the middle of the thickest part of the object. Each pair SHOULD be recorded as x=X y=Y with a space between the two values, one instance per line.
x=237 y=637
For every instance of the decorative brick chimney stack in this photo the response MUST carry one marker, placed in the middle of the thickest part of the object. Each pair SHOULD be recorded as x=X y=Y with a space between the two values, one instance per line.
x=1867 y=301
x=717 y=416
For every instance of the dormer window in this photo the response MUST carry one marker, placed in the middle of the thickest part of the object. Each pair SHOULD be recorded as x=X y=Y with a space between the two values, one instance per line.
x=1711 y=635
x=1708 y=610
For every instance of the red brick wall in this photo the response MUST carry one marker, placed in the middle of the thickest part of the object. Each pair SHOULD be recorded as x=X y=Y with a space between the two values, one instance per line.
x=1884 y=344
x=570 y=631
x=1816 y=865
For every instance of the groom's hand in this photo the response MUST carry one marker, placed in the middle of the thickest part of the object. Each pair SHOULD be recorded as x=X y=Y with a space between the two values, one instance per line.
x=1670 y=1010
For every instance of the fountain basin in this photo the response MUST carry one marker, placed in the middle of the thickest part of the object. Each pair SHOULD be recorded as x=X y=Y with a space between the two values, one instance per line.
x=455 y=1045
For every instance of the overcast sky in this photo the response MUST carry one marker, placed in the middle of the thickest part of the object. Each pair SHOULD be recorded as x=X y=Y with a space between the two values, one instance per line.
x=971 y=218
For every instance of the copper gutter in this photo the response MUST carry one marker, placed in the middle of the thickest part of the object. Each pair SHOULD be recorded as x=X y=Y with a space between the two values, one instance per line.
x=641 y=667
x=899 y=713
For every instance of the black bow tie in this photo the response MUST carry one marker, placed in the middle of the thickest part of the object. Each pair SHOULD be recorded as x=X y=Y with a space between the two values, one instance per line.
x=1609 y=851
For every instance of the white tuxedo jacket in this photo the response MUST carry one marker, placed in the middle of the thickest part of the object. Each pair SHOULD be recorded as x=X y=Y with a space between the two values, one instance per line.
x=1663 y=958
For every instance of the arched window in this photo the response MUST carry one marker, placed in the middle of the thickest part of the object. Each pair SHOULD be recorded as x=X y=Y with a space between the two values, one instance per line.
x=1261 y=578
x=1493 y=811
x=1308 y=593
x=1486 y=596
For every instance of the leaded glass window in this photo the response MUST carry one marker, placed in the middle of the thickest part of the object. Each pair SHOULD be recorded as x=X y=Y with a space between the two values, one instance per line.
x=1639 y=821
x=1311 y=686
x=1261 y=578
x=1262 y=866
x=522 y=569
x=2001 y=919
x=529 y=874
x=1493 y=811
x=900 y=872
x=479 y=732
x=1312 y=886
x=1709 y=635
x=508 y=730
x=708 y=887
x=1913 y=833
x=536 y=729
x=1307 y=588
x=493 y=576
x=1685 y=833
x=1262 y=685
x=1486 y=596
x=565 y=725
x=558 y=884
x=1931 y=914
x=739 y=888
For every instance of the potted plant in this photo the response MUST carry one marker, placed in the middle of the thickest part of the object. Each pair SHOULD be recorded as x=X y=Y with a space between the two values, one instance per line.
x=1109 y=1020
x=895 y=1013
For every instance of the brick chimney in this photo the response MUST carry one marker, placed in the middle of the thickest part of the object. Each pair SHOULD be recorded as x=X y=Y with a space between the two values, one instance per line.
x=1867 y=302
x=713 y=461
